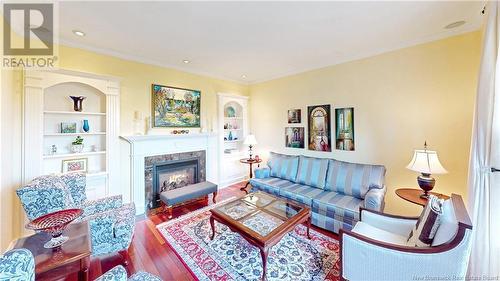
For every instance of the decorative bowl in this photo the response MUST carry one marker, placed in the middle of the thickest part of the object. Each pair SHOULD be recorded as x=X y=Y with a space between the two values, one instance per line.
x=54 y=224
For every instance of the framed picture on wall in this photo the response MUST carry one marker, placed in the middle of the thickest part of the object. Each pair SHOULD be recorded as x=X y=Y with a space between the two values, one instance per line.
x=175 y=107
x=318 y=124
x=344 y=128
x=294 y=137
x=294 y=116
x=74 y=165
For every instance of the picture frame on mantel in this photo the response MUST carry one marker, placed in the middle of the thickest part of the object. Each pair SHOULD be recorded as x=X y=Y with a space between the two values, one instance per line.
x=174 y=107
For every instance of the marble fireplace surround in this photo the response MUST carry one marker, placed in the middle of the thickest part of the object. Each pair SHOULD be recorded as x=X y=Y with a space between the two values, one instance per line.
x=143 y=146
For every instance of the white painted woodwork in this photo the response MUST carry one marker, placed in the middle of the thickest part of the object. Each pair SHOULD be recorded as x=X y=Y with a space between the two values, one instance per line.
x=142 y=146
x=232 y=171
x=46 y=104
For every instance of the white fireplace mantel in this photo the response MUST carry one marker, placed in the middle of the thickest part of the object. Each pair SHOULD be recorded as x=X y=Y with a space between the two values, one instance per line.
x=142 y=146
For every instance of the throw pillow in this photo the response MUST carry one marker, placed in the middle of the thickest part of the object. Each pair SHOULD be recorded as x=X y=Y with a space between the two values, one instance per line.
x=312 y=171
x=283 y=166
x=427 y=224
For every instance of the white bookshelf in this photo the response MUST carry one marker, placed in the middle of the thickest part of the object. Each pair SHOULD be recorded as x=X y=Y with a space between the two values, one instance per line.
x=233 y=130
x=47 y=104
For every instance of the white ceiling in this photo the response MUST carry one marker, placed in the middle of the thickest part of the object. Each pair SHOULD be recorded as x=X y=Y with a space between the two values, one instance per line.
x=262 y=40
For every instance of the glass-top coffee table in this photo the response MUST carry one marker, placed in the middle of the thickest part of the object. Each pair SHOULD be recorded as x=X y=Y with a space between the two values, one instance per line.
x=262 y=219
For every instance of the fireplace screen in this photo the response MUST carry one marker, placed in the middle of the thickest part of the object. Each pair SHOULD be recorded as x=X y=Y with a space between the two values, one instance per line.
x=169 y=180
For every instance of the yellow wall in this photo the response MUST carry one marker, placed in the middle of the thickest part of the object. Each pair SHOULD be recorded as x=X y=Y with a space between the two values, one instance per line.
x=400 y=99
x=136 y=79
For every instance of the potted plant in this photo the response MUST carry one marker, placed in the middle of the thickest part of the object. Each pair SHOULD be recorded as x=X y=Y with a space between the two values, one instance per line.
x=77 y=145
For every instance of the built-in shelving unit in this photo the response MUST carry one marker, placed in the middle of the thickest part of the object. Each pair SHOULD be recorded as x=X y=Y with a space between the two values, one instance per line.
x=73 y=134
x=74 y=112
x=233 y=128
x=73 y=155
x=47 y=106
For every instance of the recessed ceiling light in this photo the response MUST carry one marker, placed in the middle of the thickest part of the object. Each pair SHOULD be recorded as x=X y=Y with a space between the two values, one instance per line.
x=455 y=24
x=244 y=76
x=79 y=33
x=186 y=61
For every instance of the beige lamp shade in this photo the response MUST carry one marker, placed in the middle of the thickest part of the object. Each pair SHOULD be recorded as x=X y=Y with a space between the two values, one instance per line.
x=250 y=140
x=426 y=162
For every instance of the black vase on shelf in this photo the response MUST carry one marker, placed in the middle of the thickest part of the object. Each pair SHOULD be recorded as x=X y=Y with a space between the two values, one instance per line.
x=77 y=102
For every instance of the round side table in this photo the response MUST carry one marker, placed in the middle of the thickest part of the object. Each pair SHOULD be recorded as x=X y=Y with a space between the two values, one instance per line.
x=250 y=162
x=413 y=195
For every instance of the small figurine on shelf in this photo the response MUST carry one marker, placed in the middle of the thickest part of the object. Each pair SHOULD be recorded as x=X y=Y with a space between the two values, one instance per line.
x=230 y=137
x=86 y=127
x=257 y=158
x=53 y=149
x=77 y=145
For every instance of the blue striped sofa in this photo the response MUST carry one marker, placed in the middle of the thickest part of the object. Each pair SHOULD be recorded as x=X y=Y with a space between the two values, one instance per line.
x=334 y=190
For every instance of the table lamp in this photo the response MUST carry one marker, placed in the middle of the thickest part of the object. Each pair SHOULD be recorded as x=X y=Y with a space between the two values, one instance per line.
x=250 y=141
x=426 y=162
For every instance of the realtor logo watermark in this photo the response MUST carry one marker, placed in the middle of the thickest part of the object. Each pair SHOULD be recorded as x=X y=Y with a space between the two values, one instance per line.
x=29 y=35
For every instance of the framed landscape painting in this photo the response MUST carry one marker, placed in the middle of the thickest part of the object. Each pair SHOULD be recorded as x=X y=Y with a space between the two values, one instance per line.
x=175 y=107
x=319 y=131
x=344 y=128
x=294 y=137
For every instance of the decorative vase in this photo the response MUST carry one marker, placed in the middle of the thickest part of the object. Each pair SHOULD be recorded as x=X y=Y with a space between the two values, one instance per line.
x=86 y=126
x=77 y=102
x=77 y=148
x=230 y=137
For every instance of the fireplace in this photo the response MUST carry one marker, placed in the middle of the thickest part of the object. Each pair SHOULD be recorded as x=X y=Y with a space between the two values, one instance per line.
x=171 y=171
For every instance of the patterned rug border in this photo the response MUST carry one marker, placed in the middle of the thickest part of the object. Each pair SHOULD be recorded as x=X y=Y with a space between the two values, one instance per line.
x=161 y=228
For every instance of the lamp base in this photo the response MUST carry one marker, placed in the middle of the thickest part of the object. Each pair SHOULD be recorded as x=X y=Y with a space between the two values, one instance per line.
x=426 y=183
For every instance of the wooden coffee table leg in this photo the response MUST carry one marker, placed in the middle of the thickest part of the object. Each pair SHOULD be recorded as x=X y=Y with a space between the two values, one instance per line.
x=83 y=275
x=245 y=188
x=308 y=227
x=263 y=255
x=212 y=225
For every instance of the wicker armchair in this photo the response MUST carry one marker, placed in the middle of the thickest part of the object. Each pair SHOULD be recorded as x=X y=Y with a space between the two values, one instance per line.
x=111 y=222
x=379 y=243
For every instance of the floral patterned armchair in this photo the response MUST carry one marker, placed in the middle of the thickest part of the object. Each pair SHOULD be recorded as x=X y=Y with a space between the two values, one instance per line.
x=111 y=222
x=17 y=265
x=118 y=273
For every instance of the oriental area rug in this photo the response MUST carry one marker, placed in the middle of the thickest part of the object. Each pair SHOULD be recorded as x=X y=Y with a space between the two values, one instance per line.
x=231 y=257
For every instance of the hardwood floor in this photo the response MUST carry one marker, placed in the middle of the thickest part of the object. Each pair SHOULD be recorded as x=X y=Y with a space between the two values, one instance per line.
x=149 y=252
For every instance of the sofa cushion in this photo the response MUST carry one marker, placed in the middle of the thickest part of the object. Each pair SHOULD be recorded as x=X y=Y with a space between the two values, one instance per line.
x=341 y=207
x=283 y=166
x=45 y=194
x=312 y=171
x=301 y=193
x=270 y=185
x=378 y=234
x=354 y=179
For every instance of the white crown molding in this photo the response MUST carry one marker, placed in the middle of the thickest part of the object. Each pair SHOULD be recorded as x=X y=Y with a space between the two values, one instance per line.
x=143 y=60
x=340 y=60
